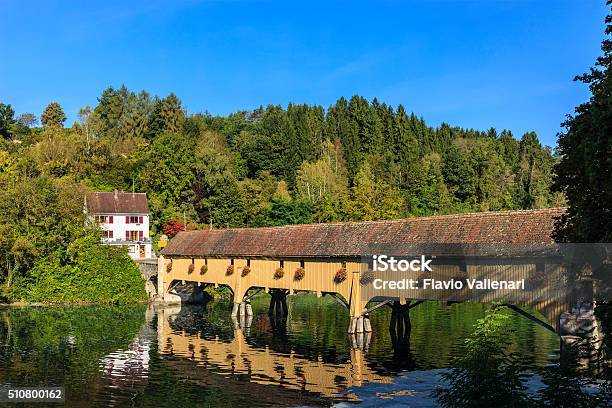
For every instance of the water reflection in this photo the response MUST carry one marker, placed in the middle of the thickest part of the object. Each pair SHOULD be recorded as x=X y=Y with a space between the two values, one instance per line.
x=262 y=365
x=192 y=356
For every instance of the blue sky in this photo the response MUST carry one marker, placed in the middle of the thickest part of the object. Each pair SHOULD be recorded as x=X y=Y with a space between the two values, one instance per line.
x=502 y=63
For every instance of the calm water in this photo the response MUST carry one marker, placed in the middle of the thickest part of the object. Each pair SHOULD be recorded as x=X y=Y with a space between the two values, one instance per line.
x=198 y=356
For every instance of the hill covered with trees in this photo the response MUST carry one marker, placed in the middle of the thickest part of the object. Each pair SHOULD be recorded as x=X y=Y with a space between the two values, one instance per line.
x=355 y=160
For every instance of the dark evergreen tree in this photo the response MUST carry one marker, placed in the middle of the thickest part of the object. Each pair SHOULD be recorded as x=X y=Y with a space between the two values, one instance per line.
x=340 y=126
x=136 y=115
x=584 y=173
x=7 y=119
x=406 y=148
x=533 y=173
x=459 y=175
x=167 y=115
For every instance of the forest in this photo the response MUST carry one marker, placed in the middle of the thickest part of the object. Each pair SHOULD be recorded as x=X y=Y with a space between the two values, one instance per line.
x=355 y=160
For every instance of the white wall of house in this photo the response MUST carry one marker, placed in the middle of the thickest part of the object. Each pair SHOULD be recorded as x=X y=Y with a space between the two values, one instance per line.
x=128 y=229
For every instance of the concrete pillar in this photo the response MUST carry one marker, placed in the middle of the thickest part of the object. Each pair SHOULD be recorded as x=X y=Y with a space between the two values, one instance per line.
x=235 y=309
x=359 y=328
x=249 y=309
x=580 y=330
x=352 y=325
x=161 y=272
x=367 y=326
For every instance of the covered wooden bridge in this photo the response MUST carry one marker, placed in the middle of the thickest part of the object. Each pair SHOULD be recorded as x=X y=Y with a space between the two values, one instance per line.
x=328 y=259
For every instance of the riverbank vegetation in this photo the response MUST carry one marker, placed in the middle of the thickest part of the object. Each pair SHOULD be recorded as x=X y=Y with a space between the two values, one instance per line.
x=490 y=374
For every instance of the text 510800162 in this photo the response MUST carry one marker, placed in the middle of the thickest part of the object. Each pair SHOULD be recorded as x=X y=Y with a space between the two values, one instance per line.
x=31 y=394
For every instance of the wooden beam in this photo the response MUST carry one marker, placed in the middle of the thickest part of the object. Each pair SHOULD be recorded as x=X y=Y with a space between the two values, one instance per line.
x=381 y=304
x=339 y=300
x=531 y=317
x=251 y=295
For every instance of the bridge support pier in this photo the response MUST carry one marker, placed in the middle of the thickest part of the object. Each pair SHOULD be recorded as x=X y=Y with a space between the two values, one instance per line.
x=278 y=302
x=242 y=309
x=581 y=333
x=360 y=324
x=400 y=317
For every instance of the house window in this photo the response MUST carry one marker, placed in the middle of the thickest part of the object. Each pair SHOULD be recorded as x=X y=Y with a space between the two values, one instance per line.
x=134 y=219
x=134 y=235
x=104 y=219
x=107 y=234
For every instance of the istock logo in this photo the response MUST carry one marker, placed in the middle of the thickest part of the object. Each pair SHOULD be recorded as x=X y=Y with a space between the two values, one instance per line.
x=383 y=263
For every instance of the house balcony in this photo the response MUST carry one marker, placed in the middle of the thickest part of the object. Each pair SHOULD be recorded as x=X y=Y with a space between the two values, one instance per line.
x=118 y=242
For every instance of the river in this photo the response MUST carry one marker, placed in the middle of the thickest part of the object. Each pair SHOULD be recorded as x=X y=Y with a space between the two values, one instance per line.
x=198 y=356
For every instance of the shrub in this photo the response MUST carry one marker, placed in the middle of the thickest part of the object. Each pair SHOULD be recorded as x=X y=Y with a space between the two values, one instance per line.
x=279 y=273
x=485 y=375
x=172 y=227
x=94 y=273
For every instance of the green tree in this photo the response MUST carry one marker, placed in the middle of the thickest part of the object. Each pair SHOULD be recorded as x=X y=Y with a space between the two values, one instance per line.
x=53 y=116
x=215 y=187
x=584 y=172
x=165 y=172
x=7 y=119
x=534 y=173
x=429 y=194
x=341 y=127
x=459 y=176
x=167 y=115
x=324 y=178
x=121 y=114
x=373 y=199
x=406 y=148
x=256 y=194
x=485 y=374
x=284 y=211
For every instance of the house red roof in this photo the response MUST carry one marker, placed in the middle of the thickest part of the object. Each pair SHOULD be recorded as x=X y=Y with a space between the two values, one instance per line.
x=116 y=203
x=349 y=239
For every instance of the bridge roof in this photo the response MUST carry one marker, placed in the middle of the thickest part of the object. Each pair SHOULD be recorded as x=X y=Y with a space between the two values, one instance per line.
x=349 y=239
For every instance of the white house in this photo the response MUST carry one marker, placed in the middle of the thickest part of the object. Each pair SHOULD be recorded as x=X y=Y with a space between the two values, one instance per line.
x=124 y=220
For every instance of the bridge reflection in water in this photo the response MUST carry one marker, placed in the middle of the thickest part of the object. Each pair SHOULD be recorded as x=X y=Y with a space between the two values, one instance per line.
x=237 y=358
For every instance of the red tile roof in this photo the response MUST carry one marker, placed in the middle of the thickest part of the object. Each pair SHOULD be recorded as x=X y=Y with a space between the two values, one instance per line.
x=116 y=203
x=350 y=239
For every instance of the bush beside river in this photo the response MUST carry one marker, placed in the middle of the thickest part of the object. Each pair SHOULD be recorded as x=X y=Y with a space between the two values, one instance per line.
x=90 y=273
